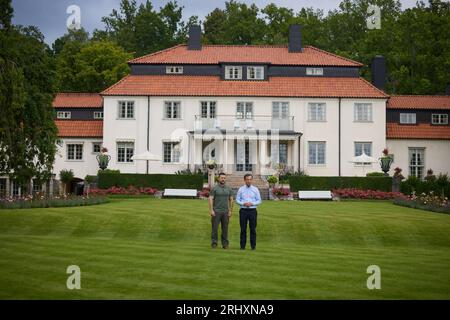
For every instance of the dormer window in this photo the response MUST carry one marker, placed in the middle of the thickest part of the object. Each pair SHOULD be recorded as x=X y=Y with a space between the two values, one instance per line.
x=64 y=115
x=407 y=118
x=174 y=70
x=439 y=118
x=255 y=73
x=314 y=71
x=233 y=72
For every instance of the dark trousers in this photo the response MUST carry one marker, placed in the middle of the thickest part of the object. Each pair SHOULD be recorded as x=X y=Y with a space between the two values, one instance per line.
x=223 y=219
x=248 y=216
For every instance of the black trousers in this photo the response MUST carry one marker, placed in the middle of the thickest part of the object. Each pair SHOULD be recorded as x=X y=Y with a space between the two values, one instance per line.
x=248 y=216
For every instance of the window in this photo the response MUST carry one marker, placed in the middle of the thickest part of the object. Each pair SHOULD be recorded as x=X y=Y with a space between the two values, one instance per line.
x=361 y=147
x=174 y=70
x=317 y=112
x=16 y=189
x=439 y=118
x=416 y=161
x=171 y=152
x=208 y=109
x=280 y=110
x=98 y=114
x=64 y=115
x=314 y=71
x=37 y=186
x=316 y=152
x=407 y=118
x=172 y=110
x=125 y=151
x=2 y=187
x=244 y=110
x=233 y=72
x=126 y=109
x=96 y=147
x=283 y=152
x=255 y=73
x=74 y=152
x=363 y=112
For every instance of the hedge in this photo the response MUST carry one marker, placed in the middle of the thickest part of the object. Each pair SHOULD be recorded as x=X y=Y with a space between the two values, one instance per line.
x=438 y=186
x=158 y=181
x=329 y=183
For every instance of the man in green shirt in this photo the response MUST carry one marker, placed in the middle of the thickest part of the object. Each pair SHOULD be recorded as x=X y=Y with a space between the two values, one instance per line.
x=220 y=209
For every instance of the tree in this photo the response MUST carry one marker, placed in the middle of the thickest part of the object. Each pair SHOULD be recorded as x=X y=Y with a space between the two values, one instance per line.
x=66 y=177
x=77 y=36
x=27 y=131
x=91 y=67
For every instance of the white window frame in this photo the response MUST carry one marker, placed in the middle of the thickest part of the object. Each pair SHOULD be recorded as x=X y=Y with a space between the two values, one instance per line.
x=211 y=109
x=93 y=147
x=365 y=114
x=175 y=152
x=98 y=114
x=252 y=73
x=442 y=118
x=280 y=110
x=128 y=110
x=317 y=112
x=76 y=146
x=235 y=74
x=408 y=118
x=64 y=115
x=245 y=113
x=174 y=70
x=414 y=168
x=314 y=71
x=316 y=155
x=363 y=149
x=172 y=105
x=127 y=146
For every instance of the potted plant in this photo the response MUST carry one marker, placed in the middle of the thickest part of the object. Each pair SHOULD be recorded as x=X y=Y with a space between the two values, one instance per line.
x=211 y=164
x=385 y=161
x=272 y=180
x=103 y=159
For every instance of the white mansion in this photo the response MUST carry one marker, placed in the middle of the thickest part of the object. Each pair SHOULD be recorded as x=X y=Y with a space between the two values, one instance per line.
x=251 y=107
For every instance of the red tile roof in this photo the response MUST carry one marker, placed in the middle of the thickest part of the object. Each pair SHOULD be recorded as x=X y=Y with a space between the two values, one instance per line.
x=78 y=100
x=420 y=131
x=419 y=102
x=79 y=128
x=215 y=54
x=164 y=85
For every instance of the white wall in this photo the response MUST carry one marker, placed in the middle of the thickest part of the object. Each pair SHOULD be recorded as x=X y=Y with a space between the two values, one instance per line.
x=81 y=168
x=437 y=154
x=165 y=130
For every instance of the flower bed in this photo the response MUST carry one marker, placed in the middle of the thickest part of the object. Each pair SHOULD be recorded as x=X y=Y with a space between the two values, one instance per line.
x=204 y=194
x=123 y=191
x=353 y=193
x=281 y=193
x=425 y=201
x=38 y=201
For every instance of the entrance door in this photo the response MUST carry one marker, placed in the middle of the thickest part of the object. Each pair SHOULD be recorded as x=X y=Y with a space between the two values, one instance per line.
x=243 y=157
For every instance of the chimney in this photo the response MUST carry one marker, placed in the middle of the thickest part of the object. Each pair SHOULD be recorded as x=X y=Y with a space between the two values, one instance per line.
x=379 y=72
x=295 y=38
x=195 y=38
x=447 y=90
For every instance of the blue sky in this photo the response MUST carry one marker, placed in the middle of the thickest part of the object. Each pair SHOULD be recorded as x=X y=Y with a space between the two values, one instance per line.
x=50 y=15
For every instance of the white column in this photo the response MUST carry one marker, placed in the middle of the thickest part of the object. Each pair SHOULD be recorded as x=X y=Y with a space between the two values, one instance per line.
x=225 y=155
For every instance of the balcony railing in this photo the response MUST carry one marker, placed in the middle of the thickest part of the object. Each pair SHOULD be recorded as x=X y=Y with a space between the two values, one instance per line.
x=253 y=123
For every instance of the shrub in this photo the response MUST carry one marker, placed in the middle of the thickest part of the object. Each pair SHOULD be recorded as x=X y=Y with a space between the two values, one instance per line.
x=66 y=177
x=329 y=183
x=272 y=179
x=352 y=193
x=375 y=174
x=439 y=185
x=430 y=202
x=29 y=201
x=158 y=181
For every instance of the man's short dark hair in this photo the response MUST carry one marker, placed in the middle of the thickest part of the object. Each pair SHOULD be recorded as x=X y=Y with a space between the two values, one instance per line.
x=248 y=175
x=222 y=174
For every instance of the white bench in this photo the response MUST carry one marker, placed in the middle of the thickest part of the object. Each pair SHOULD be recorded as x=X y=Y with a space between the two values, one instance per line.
x=180 y=193
x=315 y=194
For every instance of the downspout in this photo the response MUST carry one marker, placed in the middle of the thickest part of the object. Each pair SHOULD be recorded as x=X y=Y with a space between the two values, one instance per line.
x=339 y=137
x=148 y=128
x=298 y=153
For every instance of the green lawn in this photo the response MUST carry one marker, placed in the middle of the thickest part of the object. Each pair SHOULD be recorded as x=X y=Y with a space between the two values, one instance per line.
x=159 y=249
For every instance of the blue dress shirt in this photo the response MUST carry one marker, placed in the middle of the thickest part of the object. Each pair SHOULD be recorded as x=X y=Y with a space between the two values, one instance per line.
x=248 y=194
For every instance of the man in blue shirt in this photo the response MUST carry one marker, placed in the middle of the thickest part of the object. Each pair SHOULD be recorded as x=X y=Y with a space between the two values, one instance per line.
x=248 y=197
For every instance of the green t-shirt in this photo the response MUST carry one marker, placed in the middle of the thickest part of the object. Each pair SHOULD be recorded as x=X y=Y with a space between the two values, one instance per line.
x=221 y=196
